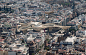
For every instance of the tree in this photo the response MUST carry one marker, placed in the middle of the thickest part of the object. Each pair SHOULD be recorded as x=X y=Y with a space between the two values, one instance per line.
x=47 y=48
x=22 y=41
x=33 y=54
x=47 y=40
x=37 y=50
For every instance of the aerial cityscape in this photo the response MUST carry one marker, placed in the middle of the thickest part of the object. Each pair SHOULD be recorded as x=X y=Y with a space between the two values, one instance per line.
x=42 y=27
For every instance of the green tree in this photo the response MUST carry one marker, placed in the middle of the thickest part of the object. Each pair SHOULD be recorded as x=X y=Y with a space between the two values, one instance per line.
x=37 y=50
x=22 y=41
x=33 y=54
x=47 y=48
